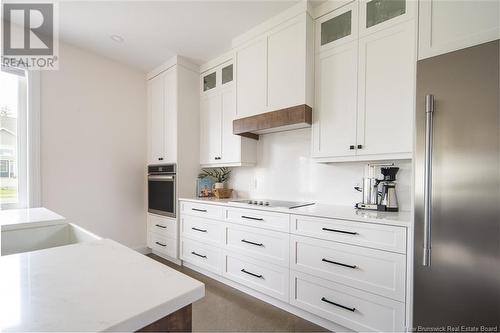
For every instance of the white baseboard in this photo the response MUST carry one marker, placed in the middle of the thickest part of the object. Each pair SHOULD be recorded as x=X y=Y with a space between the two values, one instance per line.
x=172 y=260
x=143 y=250
x=273 y=301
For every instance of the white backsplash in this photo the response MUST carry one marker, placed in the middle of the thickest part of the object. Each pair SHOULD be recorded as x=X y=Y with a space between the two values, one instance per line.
x=285 y=171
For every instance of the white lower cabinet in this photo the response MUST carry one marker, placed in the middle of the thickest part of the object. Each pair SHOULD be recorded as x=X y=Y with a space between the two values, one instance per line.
x=256 y=274
x=202 y=255
x=266 y=245
x=205 y=230
x=163 y=245
x=162 y=235
x=350 y=273
x=375 y=271
x=352 y=308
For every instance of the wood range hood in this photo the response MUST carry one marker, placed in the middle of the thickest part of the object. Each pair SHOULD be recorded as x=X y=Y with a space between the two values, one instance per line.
x=294 y=117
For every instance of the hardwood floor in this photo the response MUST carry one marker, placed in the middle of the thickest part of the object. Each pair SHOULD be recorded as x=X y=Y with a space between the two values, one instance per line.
x=225 y=309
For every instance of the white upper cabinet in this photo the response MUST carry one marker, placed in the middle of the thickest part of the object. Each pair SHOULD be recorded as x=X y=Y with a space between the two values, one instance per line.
x=218 y=145
x=287 y=71
x=334 y=121
x=274 y=64
x=251 y=62
x=162 y=105
x=156 y=101
x=386 y=84
x=365 y=81
x=376 y=15
x=336 y=28
x=446 y=26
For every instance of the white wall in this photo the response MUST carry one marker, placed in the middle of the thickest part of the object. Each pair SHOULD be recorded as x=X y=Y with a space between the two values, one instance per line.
x=93 y=145
x=285 y=171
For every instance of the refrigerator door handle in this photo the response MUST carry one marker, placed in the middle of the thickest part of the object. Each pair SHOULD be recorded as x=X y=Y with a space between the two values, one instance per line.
x=429 y=111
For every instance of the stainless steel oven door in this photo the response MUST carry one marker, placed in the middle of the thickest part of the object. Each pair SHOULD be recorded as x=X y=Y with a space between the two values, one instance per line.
x=162 y=195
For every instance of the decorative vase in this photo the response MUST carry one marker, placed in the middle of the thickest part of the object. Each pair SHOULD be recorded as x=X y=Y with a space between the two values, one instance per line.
x=218 y=185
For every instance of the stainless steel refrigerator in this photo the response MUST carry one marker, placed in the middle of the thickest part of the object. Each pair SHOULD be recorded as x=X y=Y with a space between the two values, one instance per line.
x=457 y=190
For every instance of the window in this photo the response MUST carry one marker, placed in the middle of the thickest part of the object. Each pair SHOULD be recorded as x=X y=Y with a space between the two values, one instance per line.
x=18 y=139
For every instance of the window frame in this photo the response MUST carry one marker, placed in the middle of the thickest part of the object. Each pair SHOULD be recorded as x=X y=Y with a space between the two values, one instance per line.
x=28 y=155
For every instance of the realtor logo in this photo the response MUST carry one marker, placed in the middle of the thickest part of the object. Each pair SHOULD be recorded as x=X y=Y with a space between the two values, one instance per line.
x=29 y=35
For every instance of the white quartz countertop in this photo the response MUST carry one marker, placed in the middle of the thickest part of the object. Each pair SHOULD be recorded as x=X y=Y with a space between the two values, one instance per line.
x=28 y=218
x=321 y=210
x=89 y=287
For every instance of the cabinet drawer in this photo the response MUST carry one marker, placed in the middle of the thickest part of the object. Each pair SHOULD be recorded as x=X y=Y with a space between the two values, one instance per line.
x=202 y=210
x=375 y=271
x=253 y=273
x=202 y=255
x=163 y=244
x=377 y=236
x=162 y=226
x=206 y=230
x=346 y=306
x=259 y=219
x=265 y=245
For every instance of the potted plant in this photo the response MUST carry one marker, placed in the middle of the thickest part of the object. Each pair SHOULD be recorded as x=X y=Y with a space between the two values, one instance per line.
x=220 y=175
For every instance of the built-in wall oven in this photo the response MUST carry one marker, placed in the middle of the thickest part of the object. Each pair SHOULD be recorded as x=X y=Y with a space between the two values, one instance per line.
x=162 y=190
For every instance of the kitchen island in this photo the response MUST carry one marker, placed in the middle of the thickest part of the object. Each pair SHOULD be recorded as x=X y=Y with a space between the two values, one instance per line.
x=92 y=285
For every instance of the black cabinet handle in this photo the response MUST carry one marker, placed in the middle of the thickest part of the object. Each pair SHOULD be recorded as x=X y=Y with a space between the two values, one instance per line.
x=360 y=146
x=351 y=147
x=251 y=218
x=339 y=305
x=161 y=244
x=249 y=242
x=252 y=274
x=160 y=226
x=160 y=158
x=341 y=231
x=200 y=230
x=199 y=255
x=338 y=263
x=217 y=158
x=199 y=210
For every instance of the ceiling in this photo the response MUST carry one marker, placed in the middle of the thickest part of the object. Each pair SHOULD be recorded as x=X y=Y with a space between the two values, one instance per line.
x=153 y=31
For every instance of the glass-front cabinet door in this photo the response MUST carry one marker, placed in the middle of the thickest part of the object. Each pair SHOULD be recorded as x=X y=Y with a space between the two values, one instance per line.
x=209 y=81
x=337 y=27
x=379 y=14
x=227 y=74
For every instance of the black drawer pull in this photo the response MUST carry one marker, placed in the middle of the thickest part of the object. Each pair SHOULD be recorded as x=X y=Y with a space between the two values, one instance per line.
x=199 y=255
x=341 y=231
x=252 y=274
x=161 y=244
x=199 y=210
x=252 y=218
x=338 y=263
x=249 y=242
x=200 y=230
x=339 y=305
x=160 y=226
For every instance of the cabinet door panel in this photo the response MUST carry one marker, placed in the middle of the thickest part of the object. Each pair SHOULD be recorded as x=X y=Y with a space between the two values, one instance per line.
x=334 y=123
x=156 y=105
x=376 y=15
x=336 y=28
x=446 y=26
x=286 y=57
x=231 y=144
x=251 y=79
x=170 y=121
x=386 y=91
x=210 y=145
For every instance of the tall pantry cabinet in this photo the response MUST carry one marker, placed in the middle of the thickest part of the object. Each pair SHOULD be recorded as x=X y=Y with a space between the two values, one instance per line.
x=173 y=131
x=365 y=81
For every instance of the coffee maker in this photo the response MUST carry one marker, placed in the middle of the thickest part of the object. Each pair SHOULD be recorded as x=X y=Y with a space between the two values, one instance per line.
x=389 y=199
x=374 y=198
